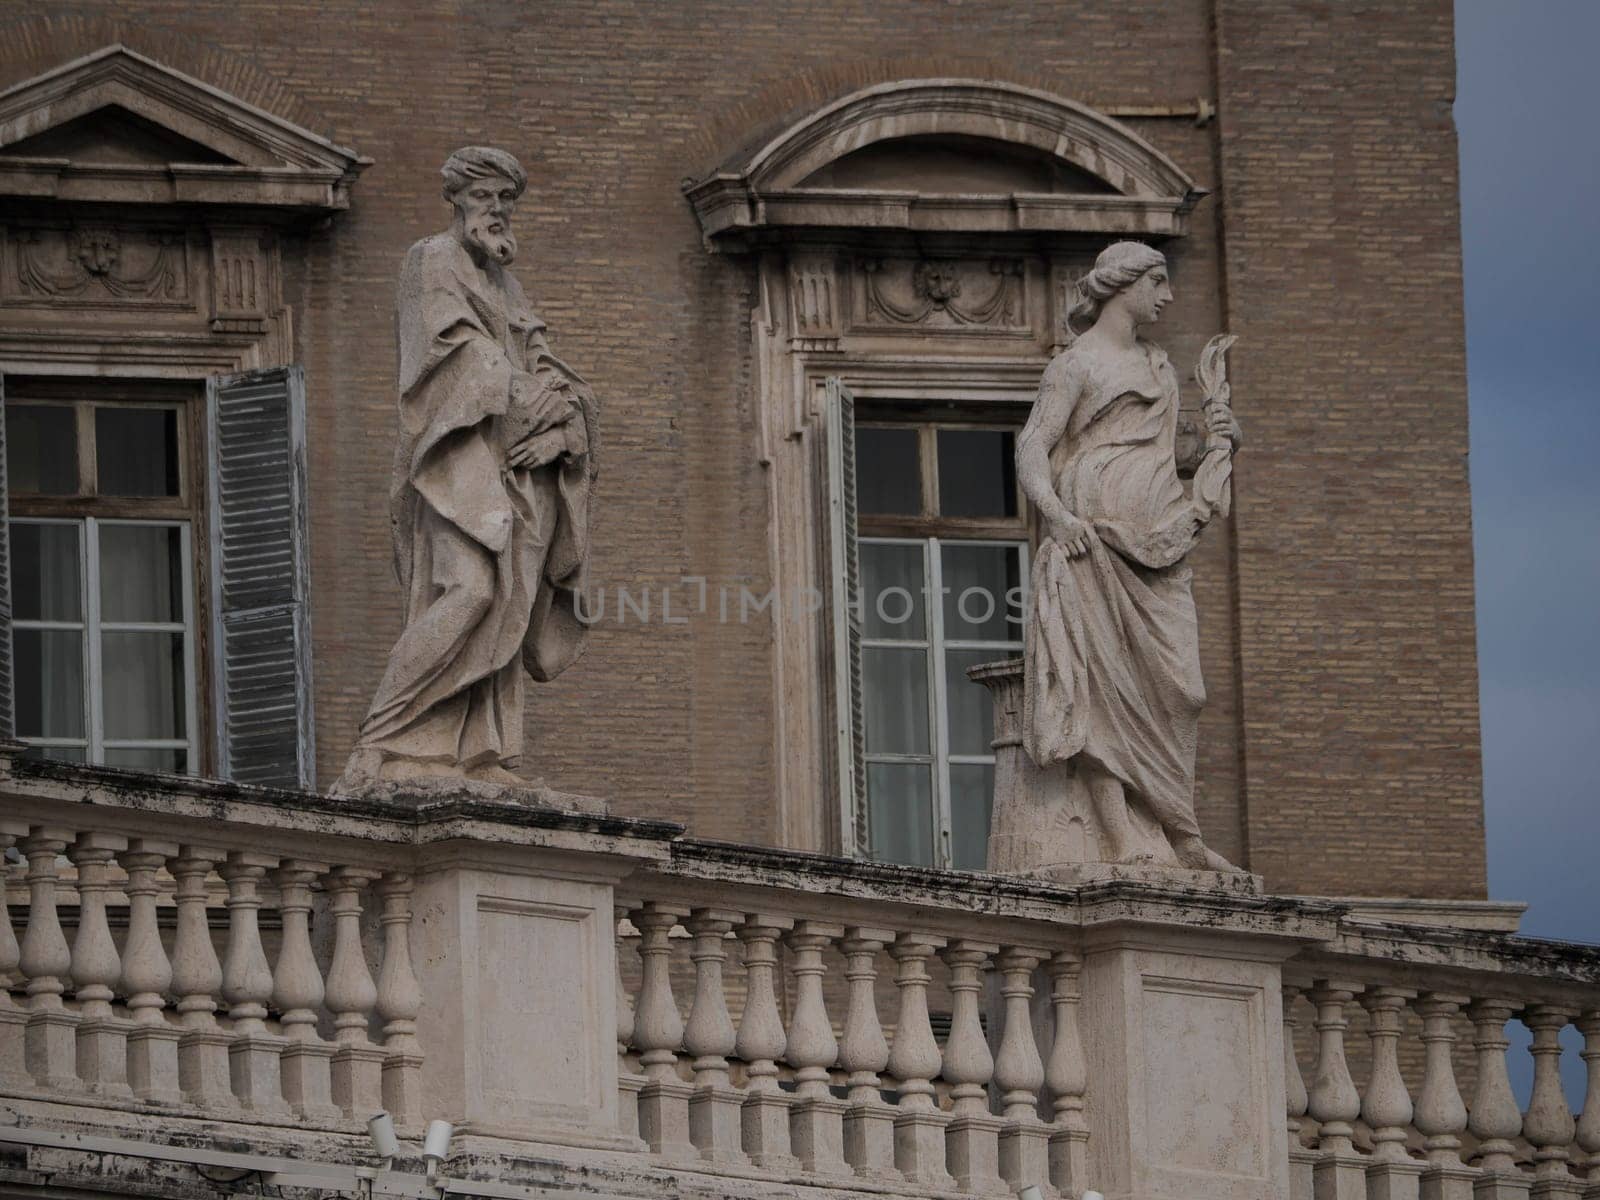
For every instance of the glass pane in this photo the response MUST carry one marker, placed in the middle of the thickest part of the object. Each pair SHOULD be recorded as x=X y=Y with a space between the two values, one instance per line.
x=141 y=573
x=75 y=754
x=977 y=473
x=49 y=680
x=969 y=706
x=900 y=813
x=42 y=449
x=44 y=565
x=142 y=758
x=892 y=585
x=888 y=471
x=136 y=451
x=894 y=688
x=983 y=596
x=142 y=683
x=971 y=794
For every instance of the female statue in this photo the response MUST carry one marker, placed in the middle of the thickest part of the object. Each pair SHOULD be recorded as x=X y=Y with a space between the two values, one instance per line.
x=1111 y=688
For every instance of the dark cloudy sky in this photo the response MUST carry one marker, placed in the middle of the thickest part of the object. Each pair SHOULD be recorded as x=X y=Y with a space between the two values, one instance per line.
x=1530 y=223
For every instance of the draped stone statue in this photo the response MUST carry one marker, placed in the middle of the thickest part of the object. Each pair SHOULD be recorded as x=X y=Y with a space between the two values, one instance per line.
x=489 y=501
x=1111 y=690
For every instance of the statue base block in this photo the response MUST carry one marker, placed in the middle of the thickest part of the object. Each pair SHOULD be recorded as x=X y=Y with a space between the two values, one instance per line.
x=434 y=790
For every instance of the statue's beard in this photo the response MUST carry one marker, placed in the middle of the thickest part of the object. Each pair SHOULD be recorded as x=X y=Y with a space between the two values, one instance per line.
x=499 y=245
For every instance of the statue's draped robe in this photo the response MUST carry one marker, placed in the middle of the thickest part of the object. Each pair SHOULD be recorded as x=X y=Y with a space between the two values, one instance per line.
x=490 y=559
x=1112 y=655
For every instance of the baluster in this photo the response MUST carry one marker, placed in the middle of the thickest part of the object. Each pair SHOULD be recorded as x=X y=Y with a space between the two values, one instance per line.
x=147 y=976
x=1441 y=1116
x=102 y=1039
x=816 y=1119
x=764 y=1118
x=972 y=1139
x=1588 y=1127
x=1386 y=1108
x=13 y=1016
x=307 y=1062
x=351 y=995
x=254 y=1057
x=399 y=1002
x=50 y=1036
x=709 y=1037
x=197 y=982
x=1019 y=1074
x=658 y=1032
x=914 y=1061
x=629 y=1081
x=1332 y=1099
x=1548 y=1124
x=864 y=1053
x=1494 y=1117
x=1067 y=1076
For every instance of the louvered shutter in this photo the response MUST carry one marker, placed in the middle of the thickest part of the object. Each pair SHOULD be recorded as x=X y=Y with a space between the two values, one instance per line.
x=259 y=577
x=844 y=562
x=8 y=700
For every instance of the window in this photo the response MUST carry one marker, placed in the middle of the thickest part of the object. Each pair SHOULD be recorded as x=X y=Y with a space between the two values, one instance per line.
x=943 y=558
x=103 y=507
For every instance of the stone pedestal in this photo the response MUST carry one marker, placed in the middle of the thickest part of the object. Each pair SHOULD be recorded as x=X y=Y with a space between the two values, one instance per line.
x=1186 y=1068
x=869 y=1140
x=1339 y=1175
x=515 y=954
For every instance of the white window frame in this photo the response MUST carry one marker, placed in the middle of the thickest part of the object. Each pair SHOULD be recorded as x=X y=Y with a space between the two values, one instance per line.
x=91 y=627
x=934 y=645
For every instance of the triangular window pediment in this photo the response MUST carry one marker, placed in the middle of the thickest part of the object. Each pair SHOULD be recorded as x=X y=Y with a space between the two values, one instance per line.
x=112 y=134
x=117 y=127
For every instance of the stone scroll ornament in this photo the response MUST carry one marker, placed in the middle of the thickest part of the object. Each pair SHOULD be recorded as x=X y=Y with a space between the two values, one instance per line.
x=1096 y=758
x=489 y=505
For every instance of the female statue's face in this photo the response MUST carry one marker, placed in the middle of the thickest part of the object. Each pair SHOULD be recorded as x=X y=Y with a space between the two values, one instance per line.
x=1147 y=295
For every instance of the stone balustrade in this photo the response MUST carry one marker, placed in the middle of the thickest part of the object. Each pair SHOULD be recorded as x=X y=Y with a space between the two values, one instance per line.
x=1435 y=1114
x=605 y=995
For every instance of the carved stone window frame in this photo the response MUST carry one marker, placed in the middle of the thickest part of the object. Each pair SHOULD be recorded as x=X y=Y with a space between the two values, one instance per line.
x=903 y=296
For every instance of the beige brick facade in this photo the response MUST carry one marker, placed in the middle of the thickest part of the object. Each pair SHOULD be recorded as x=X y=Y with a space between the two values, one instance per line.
x=1339 y=749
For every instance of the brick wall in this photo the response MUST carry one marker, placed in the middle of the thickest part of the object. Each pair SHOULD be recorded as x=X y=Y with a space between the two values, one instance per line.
x=1340 y=747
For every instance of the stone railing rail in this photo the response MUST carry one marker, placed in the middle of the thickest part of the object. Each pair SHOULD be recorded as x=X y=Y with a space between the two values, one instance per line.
x=604 y=991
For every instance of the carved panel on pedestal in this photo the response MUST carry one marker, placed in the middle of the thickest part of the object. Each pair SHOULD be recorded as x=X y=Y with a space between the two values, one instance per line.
x=96 y=266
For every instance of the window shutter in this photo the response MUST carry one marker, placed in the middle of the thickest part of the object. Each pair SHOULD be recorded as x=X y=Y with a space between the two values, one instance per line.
x=844 y=563
x=8 y=701
x=261 y=635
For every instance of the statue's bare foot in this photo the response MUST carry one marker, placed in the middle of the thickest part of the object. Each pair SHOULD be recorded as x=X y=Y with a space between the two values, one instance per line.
x=495 y=773
x=1193 y=853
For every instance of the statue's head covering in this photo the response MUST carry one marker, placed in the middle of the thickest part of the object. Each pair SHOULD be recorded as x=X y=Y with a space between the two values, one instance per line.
x=480 y=162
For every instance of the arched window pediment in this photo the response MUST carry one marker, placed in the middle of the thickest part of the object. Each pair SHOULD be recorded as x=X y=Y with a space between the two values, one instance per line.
x=947 y=155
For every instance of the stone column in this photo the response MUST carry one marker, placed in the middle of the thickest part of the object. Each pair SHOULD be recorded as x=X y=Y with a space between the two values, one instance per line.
x=1340 y=1173
x=864 y=1053
x=658 y=1035
x=102 y=1037
x=1386 y=1108
x=972 y=1139
x=764 y=1119
x=709 y=1038
x=1019 y=1074
x=816 y=1119
x=297 y=993
x=914 y=1060
x=13 y=1016
x=254 y=1064
x=1441 y=1114
x=147 y=977
x=399 y=1002
x=50 y=1036
x=1066 y=1074
x=197 y=983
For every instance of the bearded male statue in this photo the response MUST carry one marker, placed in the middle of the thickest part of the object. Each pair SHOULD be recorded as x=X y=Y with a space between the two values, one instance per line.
x=489 y=501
